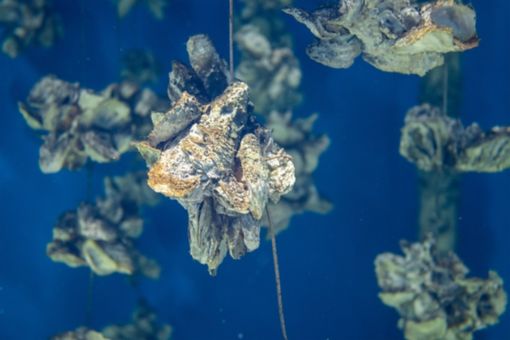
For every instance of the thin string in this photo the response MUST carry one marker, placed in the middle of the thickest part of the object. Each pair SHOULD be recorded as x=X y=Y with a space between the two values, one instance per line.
x=281 y=313
x=445 y=88
x=231 y=38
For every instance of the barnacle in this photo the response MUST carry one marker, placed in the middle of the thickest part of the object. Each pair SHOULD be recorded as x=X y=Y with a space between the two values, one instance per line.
x=209 y=153
x=82 y=124
x=434 y=141
x=401 y=36
x=143 y=327
x=101 y=235
x=156 y=7
x=434 y=297
x=26 y=23
x=81 y=333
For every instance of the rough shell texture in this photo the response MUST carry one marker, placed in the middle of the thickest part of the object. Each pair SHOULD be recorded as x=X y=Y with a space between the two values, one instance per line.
x=101 y=235
x=401 y=36
x=143 y=327
x=208 y=152
x=434 y=141
x=434 y=297
x=26 y=23
x=82 y=125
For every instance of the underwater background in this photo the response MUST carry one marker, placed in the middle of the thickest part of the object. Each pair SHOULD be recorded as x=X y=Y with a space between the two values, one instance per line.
x=326 y=262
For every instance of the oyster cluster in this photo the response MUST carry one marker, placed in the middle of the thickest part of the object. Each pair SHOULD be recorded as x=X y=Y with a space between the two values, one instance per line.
x=266 y=16
x=81 y=333
x=404 y=36
x=273 y=74
x=210 y=154
x=143 y=327
x=82 y=124
x=433 y=141
x=434 y=297
x=101 y=235
x=296 y=136
x=156 y=7
x=25 y=23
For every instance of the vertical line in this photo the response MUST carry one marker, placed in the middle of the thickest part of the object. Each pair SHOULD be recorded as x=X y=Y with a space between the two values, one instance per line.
x=231 y=38
x=445 y=89
x=279 y=297
x=90 y=300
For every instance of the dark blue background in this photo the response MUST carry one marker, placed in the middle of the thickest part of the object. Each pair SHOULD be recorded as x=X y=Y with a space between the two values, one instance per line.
x=329 y=286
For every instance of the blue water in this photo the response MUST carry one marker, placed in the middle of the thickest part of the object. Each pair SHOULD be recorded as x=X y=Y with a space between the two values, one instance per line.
x=326 y=262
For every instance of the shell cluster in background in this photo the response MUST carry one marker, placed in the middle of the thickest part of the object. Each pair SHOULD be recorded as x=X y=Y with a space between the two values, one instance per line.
x=143 y=327
x=434 y=297
x=266 y=16
x=101 y=235
x=81 y=125
x=81 y=333
x=210 y=154
x=433 y=141
x=274 y=75
x=156 y=7
x=25 y=23
x=404 y=36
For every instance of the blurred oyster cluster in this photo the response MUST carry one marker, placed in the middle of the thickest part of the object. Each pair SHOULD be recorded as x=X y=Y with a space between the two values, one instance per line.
x=266 y=16
x=82 y=124
x=210 y=154
x=139 y=66
x=434 y=297
x=434 y=141
x=81 y=333
x=101 y=235
x=156 y=7
x=143 y=327
x=404 y=36
x=274 y=75
x=27 y=22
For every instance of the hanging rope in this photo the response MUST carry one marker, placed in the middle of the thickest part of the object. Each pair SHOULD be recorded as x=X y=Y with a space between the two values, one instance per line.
x=281 y=313
x=231 y=38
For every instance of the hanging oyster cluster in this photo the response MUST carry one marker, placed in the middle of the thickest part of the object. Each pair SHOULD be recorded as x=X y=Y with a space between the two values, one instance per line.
x=143 y=327
x=305 y=147
x=101 y=235
x=81 y=333
x=434 y=297
x=156 y=7
x=82 y=124
x=25 y=23
x=434 y=141
x=404 y=36
x=274 y=76
x=209 y=153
